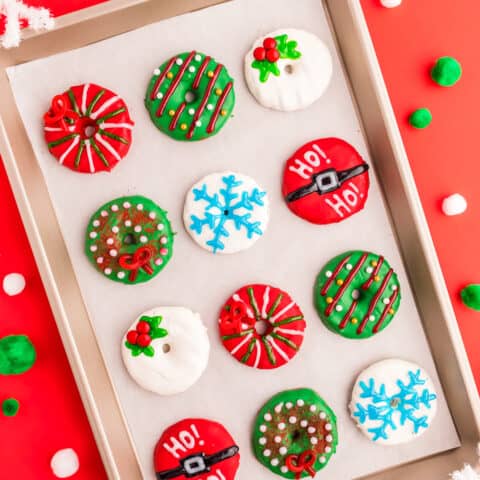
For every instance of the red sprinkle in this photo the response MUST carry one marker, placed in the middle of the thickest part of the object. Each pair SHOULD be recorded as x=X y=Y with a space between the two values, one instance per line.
x=270 y=43
x=163 y=251
x=144 y=340
x=259 y=53
x=273 y=55
x=132 y=337
x=143 y=327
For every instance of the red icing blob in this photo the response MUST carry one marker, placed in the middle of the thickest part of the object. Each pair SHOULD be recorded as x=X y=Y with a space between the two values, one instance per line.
x=143 y=327
x=273 y=55
x=259 y=54
x=270 y=43
x=132 y=337
x=144 y=340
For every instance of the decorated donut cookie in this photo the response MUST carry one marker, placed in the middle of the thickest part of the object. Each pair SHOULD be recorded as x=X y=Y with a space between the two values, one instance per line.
x=261 y=326
x=129 y=239
x=88 y=128
x=166 y=349
x=288 y=69
x=196 y=448
x=226 y=212
x=325 y=181
x=393 y=401
x=190 y=96
x=295 y=434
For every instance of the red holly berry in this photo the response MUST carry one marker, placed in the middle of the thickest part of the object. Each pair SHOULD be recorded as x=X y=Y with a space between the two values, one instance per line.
x=270 y=43
x=273 y=55
x=144 y=340
x=259 y=54
x=132 y=337
x=143 y=327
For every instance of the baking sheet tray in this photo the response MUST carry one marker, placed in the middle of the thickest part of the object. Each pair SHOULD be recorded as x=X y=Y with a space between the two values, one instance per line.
x=256 y=142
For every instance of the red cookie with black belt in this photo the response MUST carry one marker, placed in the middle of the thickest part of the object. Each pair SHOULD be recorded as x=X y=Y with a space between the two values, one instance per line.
x=196 y=448
x=261 y=326
x=326 y=181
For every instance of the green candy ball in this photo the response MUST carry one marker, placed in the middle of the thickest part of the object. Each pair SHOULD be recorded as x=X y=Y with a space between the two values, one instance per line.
x=17 y=354
x=420 y=118
x=471 y=296
x=10 y=407
x=446 y=72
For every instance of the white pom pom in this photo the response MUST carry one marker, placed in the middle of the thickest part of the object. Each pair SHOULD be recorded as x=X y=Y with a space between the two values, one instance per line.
x=13 y=283
x=391 y=3
x=65 y=463
x=454 y=204
x=468 y=473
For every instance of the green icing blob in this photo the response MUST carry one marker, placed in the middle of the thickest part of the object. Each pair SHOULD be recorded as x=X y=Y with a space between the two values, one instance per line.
x=420 y=118
x=370 y=314
x=207 y=107
x=471 y=296
x=447 y=71
x=10 y=407
x=128 y=214
x=17 y=354
x=302 y=404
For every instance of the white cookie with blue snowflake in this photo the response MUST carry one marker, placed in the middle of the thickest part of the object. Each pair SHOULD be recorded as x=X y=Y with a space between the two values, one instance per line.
x=393 y=402
x=226 y=212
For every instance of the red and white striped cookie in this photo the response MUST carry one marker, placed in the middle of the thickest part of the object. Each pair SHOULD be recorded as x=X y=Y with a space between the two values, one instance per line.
x=261 y=326
x=88 y=128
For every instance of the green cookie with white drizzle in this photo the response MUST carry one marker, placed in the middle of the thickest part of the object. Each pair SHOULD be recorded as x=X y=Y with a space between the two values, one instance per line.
x=357 y=294
x=295 y=434
x=129 y=239
x=190 y=96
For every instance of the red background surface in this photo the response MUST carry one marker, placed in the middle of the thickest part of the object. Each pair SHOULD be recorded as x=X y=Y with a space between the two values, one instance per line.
x=444 y=161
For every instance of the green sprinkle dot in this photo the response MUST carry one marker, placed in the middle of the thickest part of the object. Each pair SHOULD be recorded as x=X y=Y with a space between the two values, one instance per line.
x=446 y=72
x=10 y=407
x=420 y=118
x=471 y=296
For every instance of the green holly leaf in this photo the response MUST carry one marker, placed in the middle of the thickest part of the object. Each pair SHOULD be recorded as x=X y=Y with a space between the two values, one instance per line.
x=135 y=349
x=266 y=68
x=159 y=333
x=148 y=351
x=287 y=48
x=154 y=322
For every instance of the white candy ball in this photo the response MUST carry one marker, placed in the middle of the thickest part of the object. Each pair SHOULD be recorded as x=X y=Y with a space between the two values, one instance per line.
x=13 y=283
x=391 y=3
x=454 y=204
x=65 y=463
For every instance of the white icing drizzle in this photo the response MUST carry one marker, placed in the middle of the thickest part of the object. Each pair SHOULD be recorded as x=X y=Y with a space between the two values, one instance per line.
x=65 y=154
x=277 y=348
x=282 y=312
x=84 y=98
x=107 y=104
x=241 y=344
x=266 y=300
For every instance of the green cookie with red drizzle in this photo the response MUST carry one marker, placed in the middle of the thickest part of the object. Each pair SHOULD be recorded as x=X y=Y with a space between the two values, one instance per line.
x=129 y=239
x=261 y=326
x=190 y=96
x=357 y=294
x=88 y=128
x=295 y=434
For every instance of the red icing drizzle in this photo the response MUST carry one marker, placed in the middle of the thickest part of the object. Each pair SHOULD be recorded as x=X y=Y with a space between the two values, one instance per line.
x=174 y=84
x=367 y=284
x=377 y=326
x=202 y=68
x=221 y=101
x=348 y=315
x=334 y=274
x=174 y=122
x=160 y=79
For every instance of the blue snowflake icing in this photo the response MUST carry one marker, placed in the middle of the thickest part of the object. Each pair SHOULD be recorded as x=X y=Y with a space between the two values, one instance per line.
x=223 y=207
x=397 y=409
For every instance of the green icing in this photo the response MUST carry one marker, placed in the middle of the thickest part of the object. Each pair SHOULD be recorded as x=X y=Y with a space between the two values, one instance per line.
x=420 y=118
x=127 y=241
x=305 y=404
x=185 y=86
x=10 y=407
x=155 y=332
x=17 y=354
x=447 y=71
x=366 y=297
x=471 y=296
x=287 y=50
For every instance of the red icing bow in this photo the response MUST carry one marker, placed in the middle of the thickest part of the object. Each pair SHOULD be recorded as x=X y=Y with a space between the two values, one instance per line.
x=268 y=52
x=59 y=112
x=234 y=317
x=139 y=260
x=301 y=463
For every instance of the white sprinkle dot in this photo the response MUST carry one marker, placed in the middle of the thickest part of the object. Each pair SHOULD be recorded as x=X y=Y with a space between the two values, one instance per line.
x=369 y=269
x=323 y=415
x=164 y=240
x=107 y=271
x=113 y=252
x=137 y=228
x=179 y=61
x=348 y=266
x=284 y=469
x=156 y=71
x=292 y=420
x=386 y=301
x=328 y=274
x=300 y=403
x=140 y=206
x=198 y=57
x=152 y=215
x=100 y=260
x=338 y=308
x=311 y=429
x=128 y=223
x=277 y=439
x=159 y=95
x=158 y=261
x=126 y=205
x=160 y=226
x=191 y=68
x=96 y=223
x=93 y=248
x=355 y=294
x=262 y=441
x=143 y=239
x=313 y=408
x=267 y=453
x=323 y=459
x=13 y=284
x=198 y=123
x=289 y=405
x=275 y=462
x=121 y=275
x=303 y=423
x=278 y=408
x=328 y=427
x=328 y=449
x=65 y=463
x=328 y=438
x=115 y=229
x=263 y=428
x=110 y=241
x=313 y=440
x=394 y=287
x=114 y=208
x=209 y=106
x=281 y=426
x=371 y=318
x=268 y=417
x=283 y=450
x=93 y=234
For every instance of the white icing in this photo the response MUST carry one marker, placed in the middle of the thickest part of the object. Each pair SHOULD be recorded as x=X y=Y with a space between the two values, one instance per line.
x=389 y=372
x=65 y=463
x=176 y=371
x=455 y=204
x=13 y=284
x=308 y=80
x=391 y=3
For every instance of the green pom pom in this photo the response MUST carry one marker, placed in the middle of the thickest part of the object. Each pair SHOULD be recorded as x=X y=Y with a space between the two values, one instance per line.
x=17 y=354
x=471 y=296
x=446 y=72
x=10 y=407
x=420 y=118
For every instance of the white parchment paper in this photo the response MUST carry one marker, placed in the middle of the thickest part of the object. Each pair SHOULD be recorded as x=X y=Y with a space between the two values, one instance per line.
x=256 y=142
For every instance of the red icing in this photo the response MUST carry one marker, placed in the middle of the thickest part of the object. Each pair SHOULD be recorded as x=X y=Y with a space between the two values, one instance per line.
x=273 y=55
x=143 y=327
x=259 y=54
x=270 y=43
x=66 y=127
x=132 y=337
x=144 y=340
x=318 y=156
x=193 y=437
x=285 y=326
x=218 y=108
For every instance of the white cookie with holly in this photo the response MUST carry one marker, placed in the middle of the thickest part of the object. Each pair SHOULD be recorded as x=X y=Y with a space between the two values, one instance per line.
x=166 y=349
x=288 y=69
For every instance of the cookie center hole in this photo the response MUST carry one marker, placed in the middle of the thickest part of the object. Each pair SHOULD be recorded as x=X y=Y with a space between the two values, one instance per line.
x=261 y=327
x=190 y=96
x=166 y=348
x=289 y=69
x=88 y=127
x=226 y=212
x=129 y=239
x=395 y=402
x=296 y=435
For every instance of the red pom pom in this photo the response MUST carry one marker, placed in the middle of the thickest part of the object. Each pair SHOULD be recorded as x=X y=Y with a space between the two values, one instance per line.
x=270 y=43
x=143 y=327
x=132 y=337
x=144 y=340
x=273 y=55
x=259 y=53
